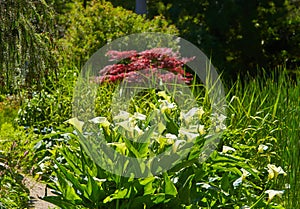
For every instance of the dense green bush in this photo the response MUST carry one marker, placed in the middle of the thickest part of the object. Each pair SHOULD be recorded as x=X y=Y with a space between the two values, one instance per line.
x=93 y=27
x=239 y=174
x=52 y=105
x=87 y=31
x=8 y=109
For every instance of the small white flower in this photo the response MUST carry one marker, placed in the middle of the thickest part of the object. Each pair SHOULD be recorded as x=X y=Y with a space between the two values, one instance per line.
x=138 y=130
x=287 y=186
x=274 y=171
x=227 y=149
x=220 y=127
x=174 y=180
x=123 y=115
x=207 y=186
x=237 y=182
x=261 y=148
x=240 y=180
x=127 y=125
x=165 y=105
x=272 y=193
x=139 y=116
x=171 y=138
x=100 y=120
x=197 y=129
x=200 y=112
x=177 y=145
x=201 y=129
x=186 y=133
x=76 y=123
x=187 y=117
x=245 y=173
x=222 y=118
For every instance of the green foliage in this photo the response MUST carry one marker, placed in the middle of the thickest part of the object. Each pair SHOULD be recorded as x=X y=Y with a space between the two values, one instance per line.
x=26 y=39
x=239 y=36
x=52 y=105
x=99 y=23
x=8 y=109
x=88 y=30
x=13 y=194
x=264 y=114
x=239 y=173
x=244 y=170
x=225 y=180
x=14 y=149
x=17 y=144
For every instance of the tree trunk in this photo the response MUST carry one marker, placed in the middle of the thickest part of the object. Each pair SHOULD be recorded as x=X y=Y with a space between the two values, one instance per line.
x=141 y=6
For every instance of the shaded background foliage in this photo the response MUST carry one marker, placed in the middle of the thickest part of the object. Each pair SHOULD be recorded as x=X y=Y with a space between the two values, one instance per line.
x=90 y=28
x=43 y=42
x=239 y=35
x=72 y=35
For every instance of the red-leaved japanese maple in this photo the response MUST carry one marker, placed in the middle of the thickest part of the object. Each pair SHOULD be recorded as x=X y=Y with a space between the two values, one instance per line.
x=165 y=63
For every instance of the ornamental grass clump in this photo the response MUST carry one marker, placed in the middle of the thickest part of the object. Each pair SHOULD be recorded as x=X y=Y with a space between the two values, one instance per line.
x=163 y=62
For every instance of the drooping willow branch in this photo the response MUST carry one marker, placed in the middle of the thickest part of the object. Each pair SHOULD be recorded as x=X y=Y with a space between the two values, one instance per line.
x=26 y=31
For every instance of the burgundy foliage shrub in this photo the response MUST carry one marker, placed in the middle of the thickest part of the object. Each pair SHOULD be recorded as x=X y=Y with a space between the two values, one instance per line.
x=162 y=62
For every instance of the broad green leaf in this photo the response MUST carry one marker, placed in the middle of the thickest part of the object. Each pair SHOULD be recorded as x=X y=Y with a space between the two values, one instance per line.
x=59 y=201
x=131 y=148
x=170 y=188
x=94 y=190
x=147 y=180
x=158 y=198
x=119 y=194
x=72 y=179
x=185 y=190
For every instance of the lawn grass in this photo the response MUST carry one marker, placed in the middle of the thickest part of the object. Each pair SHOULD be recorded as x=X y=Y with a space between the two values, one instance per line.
x=8 y=109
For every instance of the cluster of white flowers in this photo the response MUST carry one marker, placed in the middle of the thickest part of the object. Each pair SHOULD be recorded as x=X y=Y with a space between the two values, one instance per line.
x=137 y=126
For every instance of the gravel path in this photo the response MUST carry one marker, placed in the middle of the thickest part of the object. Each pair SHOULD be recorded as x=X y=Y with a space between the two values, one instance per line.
x=37 y=190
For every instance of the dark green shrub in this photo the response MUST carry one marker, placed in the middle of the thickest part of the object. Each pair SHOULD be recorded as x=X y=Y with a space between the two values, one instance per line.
x=91 y=28
x=52 y=105
x=238 y=35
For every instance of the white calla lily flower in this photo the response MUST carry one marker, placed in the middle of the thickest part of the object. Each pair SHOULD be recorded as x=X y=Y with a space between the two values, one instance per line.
x=272 y=193
x=123 y=115
x=226 y=149
x=274 y=171
x=188 y=134
x=100 y=120
x=139 y=116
